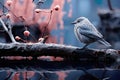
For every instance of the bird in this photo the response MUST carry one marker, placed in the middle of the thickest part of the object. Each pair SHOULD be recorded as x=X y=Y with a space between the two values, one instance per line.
x=87 y=33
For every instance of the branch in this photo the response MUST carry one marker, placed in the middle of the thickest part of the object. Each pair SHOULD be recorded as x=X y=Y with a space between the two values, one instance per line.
x=3 y=24
x=8 y=30
x=109 y=5
x=39 y=49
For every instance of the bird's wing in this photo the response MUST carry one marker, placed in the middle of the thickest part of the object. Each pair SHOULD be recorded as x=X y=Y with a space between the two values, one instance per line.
x=95 y=30
x=90 y=34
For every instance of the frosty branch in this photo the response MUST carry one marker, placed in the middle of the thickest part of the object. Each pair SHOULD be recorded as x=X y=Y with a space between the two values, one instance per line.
x=8 y=30
x=57 y=50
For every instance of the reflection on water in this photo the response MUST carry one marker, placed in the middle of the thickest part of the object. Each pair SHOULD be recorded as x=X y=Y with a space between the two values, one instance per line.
x=58 y=70
x=61 y=75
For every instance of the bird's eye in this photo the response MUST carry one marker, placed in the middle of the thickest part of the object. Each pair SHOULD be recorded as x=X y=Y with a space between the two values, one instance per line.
x=78 y=21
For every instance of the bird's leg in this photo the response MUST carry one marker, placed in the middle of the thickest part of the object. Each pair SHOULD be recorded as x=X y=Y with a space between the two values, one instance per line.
x=85 y=46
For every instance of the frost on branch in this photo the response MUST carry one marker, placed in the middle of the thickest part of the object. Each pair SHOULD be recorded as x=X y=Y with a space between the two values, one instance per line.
x=8 y=30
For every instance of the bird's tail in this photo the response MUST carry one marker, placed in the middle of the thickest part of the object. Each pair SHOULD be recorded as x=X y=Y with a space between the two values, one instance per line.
x=102 y=41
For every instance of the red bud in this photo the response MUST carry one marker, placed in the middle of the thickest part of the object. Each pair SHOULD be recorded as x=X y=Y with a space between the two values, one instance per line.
x=9 y=2
x=26 y=33
x=37 y=10
x=8 y=15
x=40 y=39
x=17 y=38
x=57 y=7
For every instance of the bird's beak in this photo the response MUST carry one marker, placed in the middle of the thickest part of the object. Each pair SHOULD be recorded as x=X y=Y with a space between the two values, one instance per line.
x=74 y=22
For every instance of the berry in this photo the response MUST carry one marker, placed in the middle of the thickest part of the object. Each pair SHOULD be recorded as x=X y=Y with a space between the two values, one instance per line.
x=8 y=15
x=41 y=39
x=57 y=7
x=17 y=38
x=26 y=33
x=37 y=10
x=9 y=2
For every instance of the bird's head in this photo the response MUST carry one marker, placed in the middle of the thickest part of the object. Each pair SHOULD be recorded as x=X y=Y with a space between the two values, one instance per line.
x=79 y=20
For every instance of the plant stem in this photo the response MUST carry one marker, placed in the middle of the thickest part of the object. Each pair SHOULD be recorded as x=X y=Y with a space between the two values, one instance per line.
x=8 y=30
x=109 y=5
x=10 y=33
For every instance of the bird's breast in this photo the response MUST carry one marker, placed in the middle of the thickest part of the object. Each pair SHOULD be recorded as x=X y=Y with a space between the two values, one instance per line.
x=77 y=34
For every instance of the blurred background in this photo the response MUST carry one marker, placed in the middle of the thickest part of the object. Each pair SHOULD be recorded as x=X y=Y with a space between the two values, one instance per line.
x=60 y=27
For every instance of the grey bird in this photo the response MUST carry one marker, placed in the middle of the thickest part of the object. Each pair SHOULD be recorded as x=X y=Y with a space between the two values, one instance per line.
x=86 y=32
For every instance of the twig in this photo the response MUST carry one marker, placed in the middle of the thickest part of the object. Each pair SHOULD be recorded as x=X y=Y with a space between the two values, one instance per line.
x=10 y=76
x=109 y=5
x=8 y=30
x=8 y=10
x=46 y=26
x=3 y=24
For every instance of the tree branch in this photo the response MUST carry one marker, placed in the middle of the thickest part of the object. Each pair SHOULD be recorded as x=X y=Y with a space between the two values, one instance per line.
x=3 y=24
x=39 y=49
x=8 y=30
x=109 y=5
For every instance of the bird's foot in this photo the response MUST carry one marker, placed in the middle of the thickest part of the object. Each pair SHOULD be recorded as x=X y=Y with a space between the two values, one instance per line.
x=84 y=48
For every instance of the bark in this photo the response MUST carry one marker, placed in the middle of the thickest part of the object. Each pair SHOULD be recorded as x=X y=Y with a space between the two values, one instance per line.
x=40 y=49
